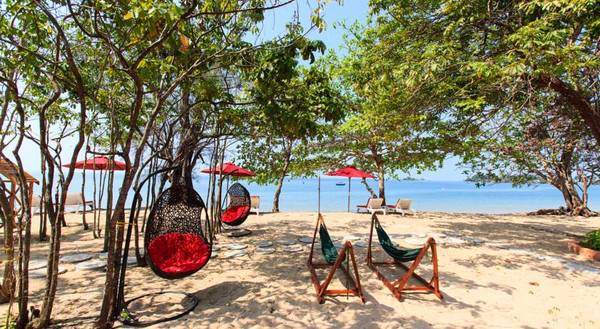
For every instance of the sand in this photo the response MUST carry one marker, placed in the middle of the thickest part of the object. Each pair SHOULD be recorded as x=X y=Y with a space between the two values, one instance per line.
x=496 y=271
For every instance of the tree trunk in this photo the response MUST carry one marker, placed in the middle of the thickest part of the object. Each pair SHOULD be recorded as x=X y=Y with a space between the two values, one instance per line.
x=378 y=161
x=24 y=224
x=52 y=271
x=43 y=233
x=381 y=183
x=109 y=200
x=24 y=252
x=277 y=194
x=282 y=175
x=115 y=245
x=85 y=224
x=7 y=290
x=220 y=186
x=368 y=187
x=573 y=202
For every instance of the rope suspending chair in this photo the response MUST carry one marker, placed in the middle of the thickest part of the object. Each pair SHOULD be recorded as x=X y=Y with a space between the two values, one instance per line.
x=238 y=205
x=177 y=243
x=400 y=256
x=334 y=260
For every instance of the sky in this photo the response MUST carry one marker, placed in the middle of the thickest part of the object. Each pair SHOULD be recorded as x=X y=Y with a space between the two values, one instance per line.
x=334 y=14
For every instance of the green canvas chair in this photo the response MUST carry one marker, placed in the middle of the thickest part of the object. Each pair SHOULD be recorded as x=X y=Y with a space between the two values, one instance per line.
x=398 y=257
x=334 y=260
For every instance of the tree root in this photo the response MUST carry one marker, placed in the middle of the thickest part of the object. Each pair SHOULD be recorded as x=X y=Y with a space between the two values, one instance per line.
x=562 y=211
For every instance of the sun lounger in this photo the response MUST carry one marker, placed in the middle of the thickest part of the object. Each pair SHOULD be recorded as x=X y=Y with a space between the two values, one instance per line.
x=255 y=204
x=402 y=207
x=76 y=199
x=334 y=260
x=73 y=199
x=398 y=257
x=373 y=205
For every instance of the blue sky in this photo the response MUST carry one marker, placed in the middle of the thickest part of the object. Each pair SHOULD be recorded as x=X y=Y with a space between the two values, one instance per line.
x=274 y=24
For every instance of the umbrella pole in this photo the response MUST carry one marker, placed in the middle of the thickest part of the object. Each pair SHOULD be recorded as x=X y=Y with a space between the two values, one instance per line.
x=349 y=182
x=319 y=195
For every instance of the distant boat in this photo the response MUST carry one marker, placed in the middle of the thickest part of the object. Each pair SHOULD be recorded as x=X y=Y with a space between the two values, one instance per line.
x=340 y=184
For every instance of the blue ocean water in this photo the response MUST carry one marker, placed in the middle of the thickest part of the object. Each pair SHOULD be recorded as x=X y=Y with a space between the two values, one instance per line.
x=452 y=196
x=448 y=196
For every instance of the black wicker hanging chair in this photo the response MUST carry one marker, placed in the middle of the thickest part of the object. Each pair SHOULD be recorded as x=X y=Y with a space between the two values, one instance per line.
x=238 y=205
x=177 y=240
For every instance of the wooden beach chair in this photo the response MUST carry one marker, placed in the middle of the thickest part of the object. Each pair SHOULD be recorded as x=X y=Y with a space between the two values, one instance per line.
x=373 y=205
x=334 y=260
x=400 y=256
x=402 y=207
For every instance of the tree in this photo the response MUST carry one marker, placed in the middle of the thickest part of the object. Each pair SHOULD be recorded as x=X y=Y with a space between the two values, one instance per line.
x=290 y=104
x=43 y=65
x=545 y=143
x=384 y=131
x=474 y=54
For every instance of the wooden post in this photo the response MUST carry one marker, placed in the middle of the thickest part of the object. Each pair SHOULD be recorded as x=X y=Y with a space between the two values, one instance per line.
x=349 y=182
x=319 y=195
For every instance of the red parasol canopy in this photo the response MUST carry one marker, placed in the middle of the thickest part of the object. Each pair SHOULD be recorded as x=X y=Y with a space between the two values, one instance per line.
x=230 y=169
x=350 y=171
x=98 y=163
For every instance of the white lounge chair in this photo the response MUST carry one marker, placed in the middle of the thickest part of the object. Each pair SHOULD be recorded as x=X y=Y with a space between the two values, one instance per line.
x=373 y=205
x=255 y=204
x=76 y=199
x=73 y=199
x=402 y=207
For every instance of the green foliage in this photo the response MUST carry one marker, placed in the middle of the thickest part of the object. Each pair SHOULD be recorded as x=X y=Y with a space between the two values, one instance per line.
x=291 y=106
x=384 y=131
x=591 y=240
x=470 y=55
x=485 y=69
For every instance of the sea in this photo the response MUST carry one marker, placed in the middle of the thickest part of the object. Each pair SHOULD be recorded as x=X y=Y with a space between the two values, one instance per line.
x=443 y=196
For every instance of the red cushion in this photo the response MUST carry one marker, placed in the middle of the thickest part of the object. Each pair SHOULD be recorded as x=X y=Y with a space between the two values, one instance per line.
x=178 y=252
x=234 y=213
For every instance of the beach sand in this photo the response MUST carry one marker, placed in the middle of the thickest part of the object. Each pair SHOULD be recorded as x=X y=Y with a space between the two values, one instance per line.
x=496 y=271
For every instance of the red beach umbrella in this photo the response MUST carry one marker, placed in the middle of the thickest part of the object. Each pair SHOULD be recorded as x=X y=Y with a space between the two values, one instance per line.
x=98 y=163
x=229 y=169
x=350 y=172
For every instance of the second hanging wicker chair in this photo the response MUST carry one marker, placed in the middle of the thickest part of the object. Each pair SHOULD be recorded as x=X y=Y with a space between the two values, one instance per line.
x=238 y=205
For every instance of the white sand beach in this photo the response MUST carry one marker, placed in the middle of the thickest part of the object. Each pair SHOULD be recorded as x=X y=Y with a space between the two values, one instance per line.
x=496 y=271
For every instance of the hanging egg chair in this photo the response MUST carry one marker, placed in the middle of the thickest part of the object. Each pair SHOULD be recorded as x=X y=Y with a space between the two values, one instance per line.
x=238 y=205
x=177 y=239
x=177 y=243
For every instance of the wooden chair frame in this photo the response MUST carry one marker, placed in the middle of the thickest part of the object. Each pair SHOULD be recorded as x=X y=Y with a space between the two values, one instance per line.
x=321 y=287
x=400 y=285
